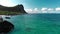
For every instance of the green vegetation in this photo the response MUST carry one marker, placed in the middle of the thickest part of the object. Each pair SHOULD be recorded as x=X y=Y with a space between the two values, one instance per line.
x=9 y=13
x=18 y=9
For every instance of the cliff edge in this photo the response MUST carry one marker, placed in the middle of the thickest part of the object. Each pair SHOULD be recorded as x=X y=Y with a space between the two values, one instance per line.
x=18 y=9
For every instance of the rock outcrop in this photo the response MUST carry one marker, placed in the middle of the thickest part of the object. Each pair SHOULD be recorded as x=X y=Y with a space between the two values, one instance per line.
x=6 y=27
x=17 y=8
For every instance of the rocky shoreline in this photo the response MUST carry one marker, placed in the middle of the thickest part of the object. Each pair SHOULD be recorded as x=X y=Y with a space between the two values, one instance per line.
x=5 y=26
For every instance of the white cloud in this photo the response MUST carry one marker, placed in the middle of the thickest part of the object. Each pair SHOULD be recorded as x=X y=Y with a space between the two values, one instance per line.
x=57 y=9
x=7 y=3
x=44 y=9
x=28 y=10
x=35 y=10
x=50 y=9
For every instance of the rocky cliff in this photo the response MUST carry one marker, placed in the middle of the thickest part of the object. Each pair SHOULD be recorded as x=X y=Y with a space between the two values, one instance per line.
x=17 y=8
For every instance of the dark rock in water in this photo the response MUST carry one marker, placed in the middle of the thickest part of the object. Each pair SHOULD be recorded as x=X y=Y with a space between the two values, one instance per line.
x=1 y=19
x=7 y=17
x=6 y=27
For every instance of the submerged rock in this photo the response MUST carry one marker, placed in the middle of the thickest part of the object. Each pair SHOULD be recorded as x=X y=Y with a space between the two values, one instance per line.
x=6 y=27
x=7 y=17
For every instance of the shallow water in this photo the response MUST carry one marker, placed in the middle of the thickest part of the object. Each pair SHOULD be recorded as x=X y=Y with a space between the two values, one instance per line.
x=36 y=24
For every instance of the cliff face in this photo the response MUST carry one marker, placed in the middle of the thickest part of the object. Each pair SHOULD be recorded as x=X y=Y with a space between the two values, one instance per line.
x=17 y=8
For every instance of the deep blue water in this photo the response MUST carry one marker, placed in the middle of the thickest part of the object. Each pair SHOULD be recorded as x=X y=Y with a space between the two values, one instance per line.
x=36 y=24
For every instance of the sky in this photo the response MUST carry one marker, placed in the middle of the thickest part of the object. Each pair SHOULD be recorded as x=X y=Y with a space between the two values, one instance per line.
x=35 y=6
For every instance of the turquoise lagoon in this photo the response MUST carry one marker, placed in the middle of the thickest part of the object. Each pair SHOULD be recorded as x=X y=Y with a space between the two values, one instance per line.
x=35 y=24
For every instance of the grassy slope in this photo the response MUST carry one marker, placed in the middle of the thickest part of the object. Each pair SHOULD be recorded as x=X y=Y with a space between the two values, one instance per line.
x=8 y=13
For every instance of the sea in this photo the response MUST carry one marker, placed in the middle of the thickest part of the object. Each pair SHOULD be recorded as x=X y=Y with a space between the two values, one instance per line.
x=35 y=24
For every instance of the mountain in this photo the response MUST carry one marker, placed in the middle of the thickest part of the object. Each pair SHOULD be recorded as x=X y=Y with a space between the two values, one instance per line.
x=17 y=8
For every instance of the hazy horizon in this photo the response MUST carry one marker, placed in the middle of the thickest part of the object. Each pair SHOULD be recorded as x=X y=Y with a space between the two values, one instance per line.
x=34 y=6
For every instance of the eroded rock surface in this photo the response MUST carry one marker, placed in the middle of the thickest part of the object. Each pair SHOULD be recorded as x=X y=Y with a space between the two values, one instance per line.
x=6 y=27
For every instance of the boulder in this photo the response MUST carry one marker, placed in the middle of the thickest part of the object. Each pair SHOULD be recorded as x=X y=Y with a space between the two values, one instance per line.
x=6 y=27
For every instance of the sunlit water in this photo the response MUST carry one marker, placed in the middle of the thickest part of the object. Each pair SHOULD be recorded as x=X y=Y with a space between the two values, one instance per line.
x=36 y=24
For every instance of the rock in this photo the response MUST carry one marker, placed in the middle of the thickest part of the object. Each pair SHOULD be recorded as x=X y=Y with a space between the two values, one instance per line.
x=1 y=19
x=6 y=27
x=7 y=17
x=17 y=8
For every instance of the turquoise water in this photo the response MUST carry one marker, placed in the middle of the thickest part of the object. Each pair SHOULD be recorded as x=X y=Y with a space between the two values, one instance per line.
x=36 y=24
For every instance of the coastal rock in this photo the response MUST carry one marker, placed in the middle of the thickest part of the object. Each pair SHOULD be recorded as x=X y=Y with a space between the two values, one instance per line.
x=7 y=17
x=6 y=27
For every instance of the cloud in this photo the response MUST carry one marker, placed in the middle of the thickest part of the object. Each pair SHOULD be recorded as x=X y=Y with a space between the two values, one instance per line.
x=35 y=10
x=7 y=3
x=57 y=9
x=28 y=10
x=44 y=10
x=50 y=9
